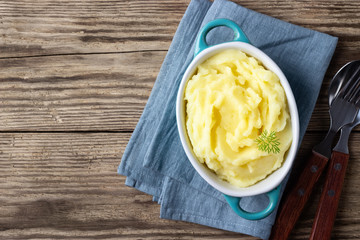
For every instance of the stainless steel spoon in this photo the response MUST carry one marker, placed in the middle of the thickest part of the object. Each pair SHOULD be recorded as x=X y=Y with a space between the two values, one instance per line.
x=342 y=111
x=335 y=86
x=329 y=200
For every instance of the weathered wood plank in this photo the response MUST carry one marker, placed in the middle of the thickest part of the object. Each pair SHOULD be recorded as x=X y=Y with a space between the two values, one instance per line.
x=99 y=104
x=91 y=92
x=348 y=215
x=49 y=27
x=80 y=92
x=65 y=186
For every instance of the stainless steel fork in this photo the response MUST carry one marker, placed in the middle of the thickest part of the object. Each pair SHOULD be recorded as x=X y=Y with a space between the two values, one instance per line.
x=343 y=110
x=329 y=200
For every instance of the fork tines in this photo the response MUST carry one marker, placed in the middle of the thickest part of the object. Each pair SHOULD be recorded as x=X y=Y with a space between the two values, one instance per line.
x=351 y=90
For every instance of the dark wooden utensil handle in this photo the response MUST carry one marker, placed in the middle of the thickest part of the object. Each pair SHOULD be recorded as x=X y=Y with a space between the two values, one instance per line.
x=327 y=208
x=294 y=202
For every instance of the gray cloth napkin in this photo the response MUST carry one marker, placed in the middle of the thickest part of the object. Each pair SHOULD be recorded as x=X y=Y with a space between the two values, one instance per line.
x=154 y=161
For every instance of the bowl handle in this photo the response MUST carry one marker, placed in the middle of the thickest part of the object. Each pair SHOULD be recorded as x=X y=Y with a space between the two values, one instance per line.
x=201 y=44
x=273 y=196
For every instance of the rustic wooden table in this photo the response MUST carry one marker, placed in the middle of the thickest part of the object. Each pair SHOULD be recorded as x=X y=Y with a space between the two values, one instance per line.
x=75 y=77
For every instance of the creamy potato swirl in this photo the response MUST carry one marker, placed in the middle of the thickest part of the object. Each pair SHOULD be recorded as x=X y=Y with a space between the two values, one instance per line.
x=230 y=100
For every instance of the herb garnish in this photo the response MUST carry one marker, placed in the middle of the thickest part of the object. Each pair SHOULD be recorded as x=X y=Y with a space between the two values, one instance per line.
x=268 y=142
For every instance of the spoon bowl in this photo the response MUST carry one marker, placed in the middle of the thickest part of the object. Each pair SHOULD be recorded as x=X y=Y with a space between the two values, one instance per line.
x=337 y=83
x=327 y=208
x=341 y=78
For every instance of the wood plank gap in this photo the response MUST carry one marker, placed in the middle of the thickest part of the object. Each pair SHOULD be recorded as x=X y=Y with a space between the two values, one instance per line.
x=89 y=53
x=70 y=132
x=122 y=131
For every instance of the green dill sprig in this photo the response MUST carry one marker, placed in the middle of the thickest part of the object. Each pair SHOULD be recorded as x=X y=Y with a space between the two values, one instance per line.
x=268 y=142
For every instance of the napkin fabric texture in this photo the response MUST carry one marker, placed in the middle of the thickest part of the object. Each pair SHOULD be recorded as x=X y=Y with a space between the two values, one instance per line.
x=154 y=160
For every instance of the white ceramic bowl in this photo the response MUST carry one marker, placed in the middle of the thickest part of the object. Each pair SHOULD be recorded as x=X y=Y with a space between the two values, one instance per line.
x=275 y=178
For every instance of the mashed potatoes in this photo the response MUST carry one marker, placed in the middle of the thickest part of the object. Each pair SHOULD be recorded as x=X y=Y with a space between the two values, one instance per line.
x=230 y=100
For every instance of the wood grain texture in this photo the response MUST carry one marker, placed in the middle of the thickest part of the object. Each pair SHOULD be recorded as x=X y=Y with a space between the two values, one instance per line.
x=31 y=28
x=61 y=27
x=294 y=202
x=23 y=24
x=74 y=79
x=65 y=186
x=76 y=92
x=329 y=200
x=73 y=92
x=346 y=228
